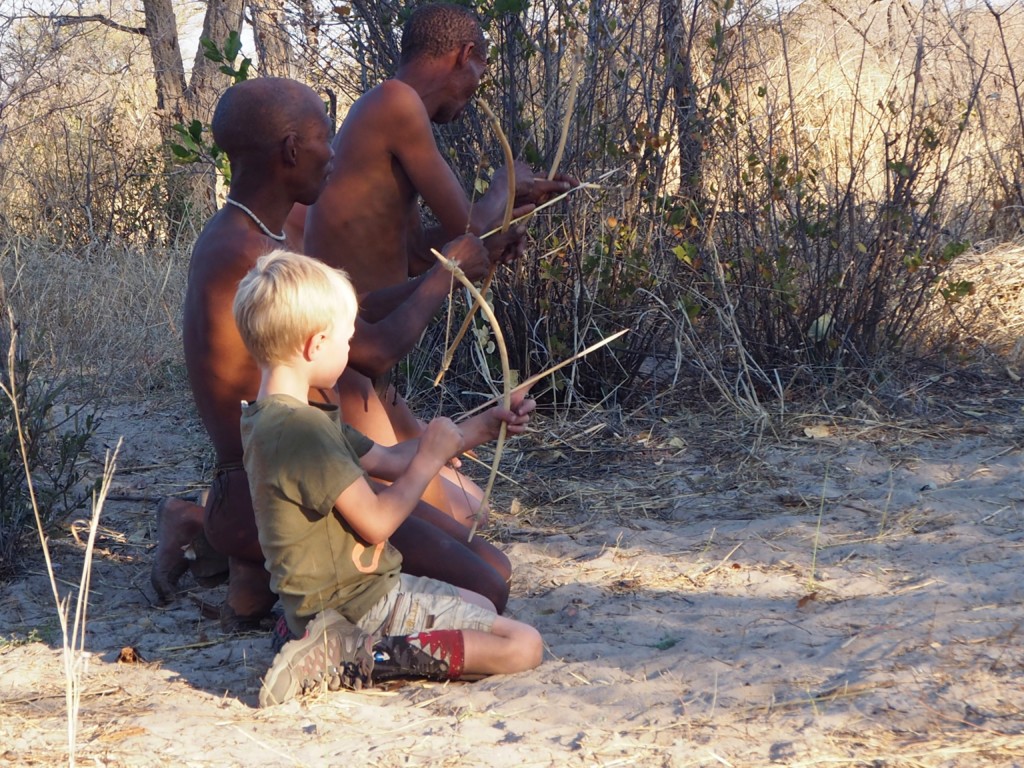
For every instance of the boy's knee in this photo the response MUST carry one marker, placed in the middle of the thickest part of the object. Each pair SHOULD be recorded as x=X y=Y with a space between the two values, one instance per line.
x=530 y=647
x=536 y=649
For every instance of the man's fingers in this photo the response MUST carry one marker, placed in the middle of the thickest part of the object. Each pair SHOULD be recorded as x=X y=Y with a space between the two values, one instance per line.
x=543 y=190
x=522 y=210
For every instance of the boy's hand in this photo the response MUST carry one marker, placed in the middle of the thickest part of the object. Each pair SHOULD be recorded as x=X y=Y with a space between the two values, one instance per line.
x=441 y=440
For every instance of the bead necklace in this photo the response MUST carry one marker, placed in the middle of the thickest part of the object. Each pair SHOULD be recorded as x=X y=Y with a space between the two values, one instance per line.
x=279 y=238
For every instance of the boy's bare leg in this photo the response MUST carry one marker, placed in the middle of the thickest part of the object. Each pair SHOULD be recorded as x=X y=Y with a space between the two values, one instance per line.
x=509 y=647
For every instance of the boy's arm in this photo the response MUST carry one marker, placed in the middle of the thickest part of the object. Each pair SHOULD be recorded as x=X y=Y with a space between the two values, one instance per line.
x=376 y=516
x=390 y=462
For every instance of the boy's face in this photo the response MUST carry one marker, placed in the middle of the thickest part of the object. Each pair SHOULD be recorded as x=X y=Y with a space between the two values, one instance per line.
x=335 y=352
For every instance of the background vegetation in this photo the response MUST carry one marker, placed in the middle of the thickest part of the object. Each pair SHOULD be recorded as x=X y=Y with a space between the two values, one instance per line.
x=790 y=187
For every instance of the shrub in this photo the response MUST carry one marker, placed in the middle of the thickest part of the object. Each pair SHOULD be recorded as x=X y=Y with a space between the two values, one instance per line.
x=54 y=436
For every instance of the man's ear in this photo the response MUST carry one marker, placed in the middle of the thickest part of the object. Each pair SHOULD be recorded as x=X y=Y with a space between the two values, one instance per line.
x=463 y=53
x=290 y=149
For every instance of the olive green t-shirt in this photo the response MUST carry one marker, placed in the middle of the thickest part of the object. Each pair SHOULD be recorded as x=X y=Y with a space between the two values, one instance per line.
x=299 y=458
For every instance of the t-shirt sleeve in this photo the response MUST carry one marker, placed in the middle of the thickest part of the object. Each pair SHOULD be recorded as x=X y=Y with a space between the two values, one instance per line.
x=360 y=443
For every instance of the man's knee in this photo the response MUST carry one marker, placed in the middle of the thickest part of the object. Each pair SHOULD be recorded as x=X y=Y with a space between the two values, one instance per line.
x=229 y=520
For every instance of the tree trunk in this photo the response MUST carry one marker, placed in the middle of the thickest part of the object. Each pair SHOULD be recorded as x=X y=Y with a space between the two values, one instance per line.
x=270 y=31
x=310 y=24
x=208 y=82
x=191 y=189
x=168 y=69
x=689 y=121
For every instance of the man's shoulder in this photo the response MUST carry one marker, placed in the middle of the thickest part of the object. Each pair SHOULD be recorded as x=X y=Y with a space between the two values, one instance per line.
x=390 y=96
x=225 y=246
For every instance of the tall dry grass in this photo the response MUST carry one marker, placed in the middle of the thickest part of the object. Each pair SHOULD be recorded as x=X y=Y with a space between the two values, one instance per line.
x=106 y=315
x=73 y=653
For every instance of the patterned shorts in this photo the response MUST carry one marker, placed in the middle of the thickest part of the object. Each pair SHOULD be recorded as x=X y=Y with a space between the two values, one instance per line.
x=419 y=604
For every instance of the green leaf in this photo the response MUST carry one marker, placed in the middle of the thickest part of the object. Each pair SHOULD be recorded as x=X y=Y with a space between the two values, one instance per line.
x=901 y=168
x=210 y=50
x=955 y=290
x=183 y=154
x=951 y=250
x=686 y=253
x=232 y=46
x=243 y=70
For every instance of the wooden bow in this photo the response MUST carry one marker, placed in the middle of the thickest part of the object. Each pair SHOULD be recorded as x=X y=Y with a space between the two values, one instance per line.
x=506 y=373
x=506 y=222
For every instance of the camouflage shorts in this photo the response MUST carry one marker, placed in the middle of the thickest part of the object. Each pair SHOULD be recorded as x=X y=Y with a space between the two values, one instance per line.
x=419 y=604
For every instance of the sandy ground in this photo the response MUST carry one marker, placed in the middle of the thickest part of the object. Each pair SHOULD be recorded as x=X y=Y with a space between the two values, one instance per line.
x=850 y=596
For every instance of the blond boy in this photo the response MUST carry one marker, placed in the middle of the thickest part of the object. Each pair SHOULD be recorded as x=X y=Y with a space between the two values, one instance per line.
x=324 y=530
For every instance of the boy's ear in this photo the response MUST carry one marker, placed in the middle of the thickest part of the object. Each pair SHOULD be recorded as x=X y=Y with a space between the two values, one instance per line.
x=314 y=344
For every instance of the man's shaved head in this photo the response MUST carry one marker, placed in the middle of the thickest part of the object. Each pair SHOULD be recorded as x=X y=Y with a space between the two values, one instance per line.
x=436 y=29
x=253 y=116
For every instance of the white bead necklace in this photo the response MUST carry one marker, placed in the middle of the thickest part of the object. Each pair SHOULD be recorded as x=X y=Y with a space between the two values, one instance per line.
x=279 y=238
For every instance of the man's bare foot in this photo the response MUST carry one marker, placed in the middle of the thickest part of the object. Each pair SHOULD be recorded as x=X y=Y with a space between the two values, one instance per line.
x=250 y=599
x=181 y=545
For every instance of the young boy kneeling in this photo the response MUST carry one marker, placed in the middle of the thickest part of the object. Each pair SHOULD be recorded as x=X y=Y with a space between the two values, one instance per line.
x=323 y=529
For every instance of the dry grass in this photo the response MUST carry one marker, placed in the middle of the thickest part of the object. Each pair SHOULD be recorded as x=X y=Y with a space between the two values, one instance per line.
x=72 y=625
x=108 y=314
x=989 y=323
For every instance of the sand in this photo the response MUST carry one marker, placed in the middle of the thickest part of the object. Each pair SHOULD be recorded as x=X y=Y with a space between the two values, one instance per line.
x=847 y=592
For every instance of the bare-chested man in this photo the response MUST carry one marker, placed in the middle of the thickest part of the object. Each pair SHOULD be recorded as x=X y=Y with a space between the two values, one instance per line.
x=367 y=219
x=277 y=136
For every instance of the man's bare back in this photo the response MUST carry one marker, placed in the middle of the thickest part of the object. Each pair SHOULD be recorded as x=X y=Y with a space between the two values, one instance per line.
x=367 y=219
x=370 y=197
x=220 y=370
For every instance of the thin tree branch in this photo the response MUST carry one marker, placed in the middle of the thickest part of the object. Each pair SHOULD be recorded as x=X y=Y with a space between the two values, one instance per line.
x=66 y=21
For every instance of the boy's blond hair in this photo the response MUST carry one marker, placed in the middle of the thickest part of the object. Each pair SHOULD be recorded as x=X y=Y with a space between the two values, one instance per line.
x=287 y=298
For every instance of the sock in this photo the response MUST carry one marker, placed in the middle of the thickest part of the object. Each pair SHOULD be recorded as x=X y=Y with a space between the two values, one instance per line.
x=436 y=655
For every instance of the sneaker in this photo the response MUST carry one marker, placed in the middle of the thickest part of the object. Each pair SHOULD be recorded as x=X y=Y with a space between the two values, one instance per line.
x=280 y=635
x=333 y=654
